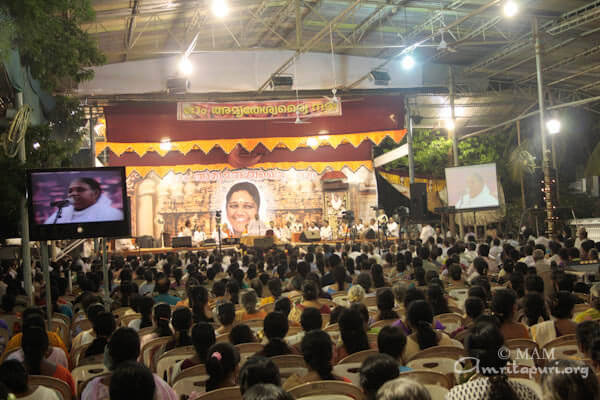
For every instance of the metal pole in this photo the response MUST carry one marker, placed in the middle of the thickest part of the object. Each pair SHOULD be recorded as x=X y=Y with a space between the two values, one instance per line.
x=298 y=25
x=523 y=204
x=46 y=271
x=453 y=116
x=545 y=158
x=451 y=89
x=409 y=142
x=105 y=274
x=25 y=223
x=92 y=138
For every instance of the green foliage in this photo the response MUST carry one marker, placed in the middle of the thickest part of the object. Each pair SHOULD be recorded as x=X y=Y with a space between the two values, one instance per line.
x=58 y=140
x=433 y=151
x=7 y=33
x=50 y=40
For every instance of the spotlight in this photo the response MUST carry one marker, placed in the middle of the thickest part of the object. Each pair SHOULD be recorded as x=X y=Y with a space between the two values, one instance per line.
x=220 y=8
x=408 y=62
x=553 y=126
x=36 y=145
x=185 y=66
x=165 y=144
x=511 y=8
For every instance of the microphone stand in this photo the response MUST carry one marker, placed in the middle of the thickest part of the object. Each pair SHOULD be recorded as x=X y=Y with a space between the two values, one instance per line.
x=58 y=214
x=218 y=220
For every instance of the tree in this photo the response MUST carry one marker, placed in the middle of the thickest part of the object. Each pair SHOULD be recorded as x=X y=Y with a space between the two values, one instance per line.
x=54 y=49
x=50 y=41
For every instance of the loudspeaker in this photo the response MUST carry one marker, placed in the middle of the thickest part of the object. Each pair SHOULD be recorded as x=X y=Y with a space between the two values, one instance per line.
x=310 y=236
x=145 y=242
x=370 y=234
x=181 y=241
x=263 y=243
x=177 y=85
x=418 y=200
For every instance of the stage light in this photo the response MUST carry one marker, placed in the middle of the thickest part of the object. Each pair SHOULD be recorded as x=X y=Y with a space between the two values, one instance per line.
x=185 y=66
x=165 y=144
x=511 y=8
x=553 y=126
x=408 y=62
x=99 y=129
x=323 y=132
x=36 y=145
x=220 y=8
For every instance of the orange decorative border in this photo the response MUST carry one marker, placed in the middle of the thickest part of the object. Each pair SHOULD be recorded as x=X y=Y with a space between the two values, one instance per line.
x=292 y=143
x=318 y=167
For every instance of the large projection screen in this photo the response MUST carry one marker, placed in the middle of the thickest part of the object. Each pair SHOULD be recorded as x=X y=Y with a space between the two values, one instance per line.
x=472 y=187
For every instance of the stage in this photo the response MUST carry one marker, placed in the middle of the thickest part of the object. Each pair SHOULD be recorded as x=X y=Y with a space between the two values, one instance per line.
x=159 y=250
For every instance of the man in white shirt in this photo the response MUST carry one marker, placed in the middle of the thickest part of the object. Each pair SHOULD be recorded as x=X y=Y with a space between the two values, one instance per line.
x=198 y=237
x=426 y=232
x=360 y=226
x=393 y=228
x=326 y=233
x=477 y=194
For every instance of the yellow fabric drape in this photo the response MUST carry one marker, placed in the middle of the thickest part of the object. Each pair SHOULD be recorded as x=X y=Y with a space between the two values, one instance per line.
x=433 y=185
x=319 y=167
x=292 y=143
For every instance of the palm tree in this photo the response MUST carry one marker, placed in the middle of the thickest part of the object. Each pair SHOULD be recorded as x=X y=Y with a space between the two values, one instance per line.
x=521 y=163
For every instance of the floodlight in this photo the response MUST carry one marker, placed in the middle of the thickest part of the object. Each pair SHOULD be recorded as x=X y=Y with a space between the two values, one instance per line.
x=185 y=66
x=511 y=8
x=553 y=126
x=408 y=62
x=450 y=125
x=165 y=144
x=220 y=8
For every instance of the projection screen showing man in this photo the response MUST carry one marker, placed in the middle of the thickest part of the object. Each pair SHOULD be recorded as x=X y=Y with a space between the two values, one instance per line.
x=472 y=187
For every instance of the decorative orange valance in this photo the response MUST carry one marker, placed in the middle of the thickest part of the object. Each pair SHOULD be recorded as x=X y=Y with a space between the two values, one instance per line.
x=318 y=167
x=228 y=145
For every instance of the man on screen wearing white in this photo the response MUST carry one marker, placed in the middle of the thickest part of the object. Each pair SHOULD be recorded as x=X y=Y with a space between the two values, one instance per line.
x=477 y=194
x=87 y=203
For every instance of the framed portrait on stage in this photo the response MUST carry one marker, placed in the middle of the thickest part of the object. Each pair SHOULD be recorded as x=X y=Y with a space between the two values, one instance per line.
x=334 y=203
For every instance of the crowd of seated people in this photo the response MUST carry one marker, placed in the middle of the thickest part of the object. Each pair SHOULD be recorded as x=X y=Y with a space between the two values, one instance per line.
x=237 y=317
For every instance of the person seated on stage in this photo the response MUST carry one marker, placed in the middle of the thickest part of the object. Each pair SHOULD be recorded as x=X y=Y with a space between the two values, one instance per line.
x=326 y=232
x=186 y=230
x=372 y=225
x=225 y=233
x=393 y=228
x=313 y=228
x=198 y=237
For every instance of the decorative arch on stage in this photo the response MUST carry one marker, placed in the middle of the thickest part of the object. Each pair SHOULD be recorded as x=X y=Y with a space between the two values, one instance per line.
x=187 y=177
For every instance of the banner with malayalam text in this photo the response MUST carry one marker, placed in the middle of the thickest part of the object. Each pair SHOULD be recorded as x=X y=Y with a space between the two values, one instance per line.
x=258 y=110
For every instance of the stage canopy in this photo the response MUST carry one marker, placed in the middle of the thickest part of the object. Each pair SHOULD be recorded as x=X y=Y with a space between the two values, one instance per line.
x=180 y=169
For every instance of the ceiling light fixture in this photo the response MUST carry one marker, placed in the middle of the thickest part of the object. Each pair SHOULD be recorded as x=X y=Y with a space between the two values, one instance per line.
x=220 y=8
x=511 y=8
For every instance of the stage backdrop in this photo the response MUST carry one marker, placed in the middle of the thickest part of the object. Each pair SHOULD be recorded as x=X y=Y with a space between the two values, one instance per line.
x=163 y=204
